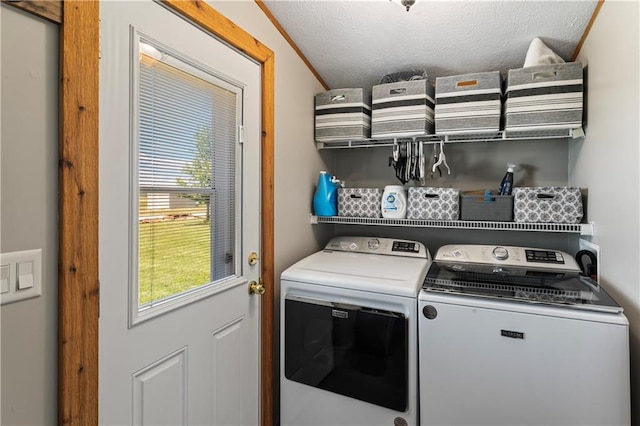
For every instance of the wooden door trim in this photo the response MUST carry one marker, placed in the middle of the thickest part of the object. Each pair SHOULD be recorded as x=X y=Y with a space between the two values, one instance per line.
x=51 y=10
x=78 y=287
x=78 y=208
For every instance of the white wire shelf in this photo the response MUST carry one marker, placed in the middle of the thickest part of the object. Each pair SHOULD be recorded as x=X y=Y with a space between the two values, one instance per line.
x=567 y=228
x=431 y=139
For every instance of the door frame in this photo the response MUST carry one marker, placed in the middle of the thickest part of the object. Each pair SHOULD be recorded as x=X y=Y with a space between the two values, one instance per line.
x=78 y=278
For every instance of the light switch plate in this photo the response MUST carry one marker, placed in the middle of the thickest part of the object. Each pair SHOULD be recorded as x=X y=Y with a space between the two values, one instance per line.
x=4 y=278
x=24 y=272
x=15 y=293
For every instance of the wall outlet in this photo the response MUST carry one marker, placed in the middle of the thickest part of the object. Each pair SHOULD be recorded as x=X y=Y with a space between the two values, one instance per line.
x=588 y=245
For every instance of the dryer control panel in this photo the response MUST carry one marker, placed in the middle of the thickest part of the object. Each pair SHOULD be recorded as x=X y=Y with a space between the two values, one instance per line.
x=376 y=245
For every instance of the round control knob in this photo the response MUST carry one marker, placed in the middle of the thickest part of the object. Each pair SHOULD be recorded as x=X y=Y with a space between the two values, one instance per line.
x=500 y=253
x=430 y=312
x=373 y=244
x=399 y=421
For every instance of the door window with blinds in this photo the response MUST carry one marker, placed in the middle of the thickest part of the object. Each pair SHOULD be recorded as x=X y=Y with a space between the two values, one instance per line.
x=185 y=190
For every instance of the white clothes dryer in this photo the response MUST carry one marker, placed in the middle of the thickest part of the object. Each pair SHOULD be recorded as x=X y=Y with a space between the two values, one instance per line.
x=348 y=333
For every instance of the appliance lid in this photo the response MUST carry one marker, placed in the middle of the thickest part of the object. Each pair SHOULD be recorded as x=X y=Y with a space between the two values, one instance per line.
x=521 y=274
x=395 y=274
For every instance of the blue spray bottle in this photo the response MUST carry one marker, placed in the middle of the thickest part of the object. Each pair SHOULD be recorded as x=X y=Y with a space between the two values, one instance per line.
x=507 y=181
x=325 y=199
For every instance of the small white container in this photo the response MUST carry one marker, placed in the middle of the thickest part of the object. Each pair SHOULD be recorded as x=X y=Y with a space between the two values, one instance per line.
x=394 y=202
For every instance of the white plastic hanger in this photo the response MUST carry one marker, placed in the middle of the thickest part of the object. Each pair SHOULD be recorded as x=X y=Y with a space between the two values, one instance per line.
x=442 y=159
x=421 y=163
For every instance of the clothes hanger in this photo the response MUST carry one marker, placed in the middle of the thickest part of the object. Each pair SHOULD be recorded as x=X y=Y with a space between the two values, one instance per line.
x=442 y=159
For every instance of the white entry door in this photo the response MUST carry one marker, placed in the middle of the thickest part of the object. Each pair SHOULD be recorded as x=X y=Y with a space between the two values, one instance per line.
x=179 y=219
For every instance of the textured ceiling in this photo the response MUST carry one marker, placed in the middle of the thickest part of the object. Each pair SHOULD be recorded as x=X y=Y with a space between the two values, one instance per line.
x=353 y=43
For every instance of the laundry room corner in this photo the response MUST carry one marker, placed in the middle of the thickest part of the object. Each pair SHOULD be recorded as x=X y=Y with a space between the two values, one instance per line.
x=613 y=133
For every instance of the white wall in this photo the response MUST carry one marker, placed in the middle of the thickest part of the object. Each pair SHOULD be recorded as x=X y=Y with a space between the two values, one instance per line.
x=29 y=206
x=608 y=160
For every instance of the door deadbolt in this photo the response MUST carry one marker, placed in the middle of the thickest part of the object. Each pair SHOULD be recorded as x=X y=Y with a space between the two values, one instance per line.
x=253 y=258
x=256 y=287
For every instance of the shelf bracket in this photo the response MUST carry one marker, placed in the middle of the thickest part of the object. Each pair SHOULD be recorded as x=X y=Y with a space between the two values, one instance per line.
x=587 y=229
x=577 y=133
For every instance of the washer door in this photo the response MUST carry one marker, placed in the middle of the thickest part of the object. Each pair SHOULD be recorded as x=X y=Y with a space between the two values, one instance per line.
x=354 y=351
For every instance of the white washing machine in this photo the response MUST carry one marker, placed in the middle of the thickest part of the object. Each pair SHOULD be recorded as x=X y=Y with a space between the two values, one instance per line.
x=518 y=336
x=348 y=352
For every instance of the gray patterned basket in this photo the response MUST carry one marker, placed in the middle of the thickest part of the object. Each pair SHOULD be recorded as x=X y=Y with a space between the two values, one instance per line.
x=547 y=205
x=359 y=202
x=433 y=203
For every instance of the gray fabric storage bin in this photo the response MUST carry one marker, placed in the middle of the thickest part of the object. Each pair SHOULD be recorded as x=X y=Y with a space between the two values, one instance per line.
x=342 y=114
x=469 y=103
x=360 y=202
x=474 y=206
x=547 y=204
x=433 y=203
x=404 y=108
x=545 y=100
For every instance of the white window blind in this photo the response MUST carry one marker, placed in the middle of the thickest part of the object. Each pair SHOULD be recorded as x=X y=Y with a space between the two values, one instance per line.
x=186 y=152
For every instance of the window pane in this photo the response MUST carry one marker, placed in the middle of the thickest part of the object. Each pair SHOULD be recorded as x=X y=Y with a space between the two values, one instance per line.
x=175 y=246
x=186 y=176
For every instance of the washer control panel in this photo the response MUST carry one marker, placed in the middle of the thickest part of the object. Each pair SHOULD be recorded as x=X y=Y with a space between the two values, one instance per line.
x=526 y=257
x=375 y=245
x=544 y=256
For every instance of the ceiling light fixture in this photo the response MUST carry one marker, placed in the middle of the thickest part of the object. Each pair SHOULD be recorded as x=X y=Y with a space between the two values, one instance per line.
x=406 y=3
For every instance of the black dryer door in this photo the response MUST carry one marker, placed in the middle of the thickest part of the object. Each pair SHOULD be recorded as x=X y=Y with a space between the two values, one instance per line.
x=354 y=351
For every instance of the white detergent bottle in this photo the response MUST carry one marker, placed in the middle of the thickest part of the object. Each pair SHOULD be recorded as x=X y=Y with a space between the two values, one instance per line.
x=394 y=202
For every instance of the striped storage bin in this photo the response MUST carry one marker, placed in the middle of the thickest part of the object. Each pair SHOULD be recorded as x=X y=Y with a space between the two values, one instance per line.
x=403 y=108
x=469 y=104
x=342 y=114
x=544 y=100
